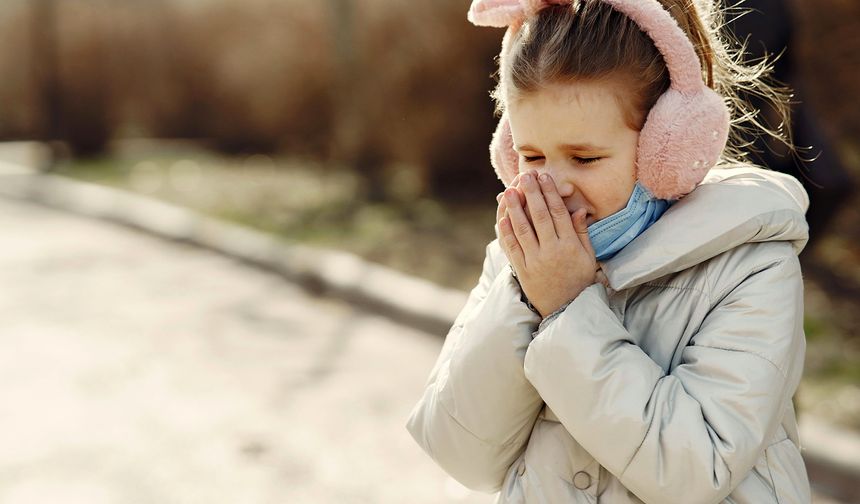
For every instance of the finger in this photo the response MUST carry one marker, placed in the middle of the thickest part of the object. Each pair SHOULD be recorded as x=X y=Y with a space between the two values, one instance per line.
x=581 y=229
x=557 y=209
x=521 y=194
x=541 y=218
x=522 y=229
x=518 y=183
x=510 y=244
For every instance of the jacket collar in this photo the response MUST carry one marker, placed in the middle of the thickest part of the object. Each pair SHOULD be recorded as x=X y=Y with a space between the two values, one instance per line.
x=731 y=206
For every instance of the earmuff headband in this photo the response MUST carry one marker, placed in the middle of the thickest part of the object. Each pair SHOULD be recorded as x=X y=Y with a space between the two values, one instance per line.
x=677 y=50
x=686 y=130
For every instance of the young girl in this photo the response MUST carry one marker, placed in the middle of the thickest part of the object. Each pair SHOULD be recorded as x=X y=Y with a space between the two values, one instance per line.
x=636 y=334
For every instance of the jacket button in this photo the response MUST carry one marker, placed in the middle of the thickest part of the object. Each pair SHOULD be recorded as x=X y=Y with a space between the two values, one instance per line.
x=582 y=480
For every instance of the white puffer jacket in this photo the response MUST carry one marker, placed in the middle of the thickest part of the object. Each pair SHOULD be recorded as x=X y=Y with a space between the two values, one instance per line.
x=671 y=384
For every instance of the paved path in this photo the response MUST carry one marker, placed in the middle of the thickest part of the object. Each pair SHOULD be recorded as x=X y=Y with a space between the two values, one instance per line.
x=137 y=370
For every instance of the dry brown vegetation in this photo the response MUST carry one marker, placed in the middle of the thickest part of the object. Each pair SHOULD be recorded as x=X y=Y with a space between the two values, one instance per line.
x=378 y=86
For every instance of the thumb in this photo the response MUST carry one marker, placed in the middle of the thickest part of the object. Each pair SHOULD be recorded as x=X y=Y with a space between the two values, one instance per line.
x=581 y=229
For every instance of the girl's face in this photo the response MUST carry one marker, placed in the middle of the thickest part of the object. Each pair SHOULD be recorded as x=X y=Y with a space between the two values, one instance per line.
x=578 y=134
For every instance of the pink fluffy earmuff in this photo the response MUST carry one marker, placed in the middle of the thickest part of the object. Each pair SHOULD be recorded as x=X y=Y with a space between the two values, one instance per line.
x=687 y=128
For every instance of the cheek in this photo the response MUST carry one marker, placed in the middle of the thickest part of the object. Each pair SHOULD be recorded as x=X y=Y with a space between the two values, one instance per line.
x=626 y=174
x=618 y=186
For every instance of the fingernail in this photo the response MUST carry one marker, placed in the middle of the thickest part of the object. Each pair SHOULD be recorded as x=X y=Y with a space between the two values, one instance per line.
x=544 y=177
x=499 y=196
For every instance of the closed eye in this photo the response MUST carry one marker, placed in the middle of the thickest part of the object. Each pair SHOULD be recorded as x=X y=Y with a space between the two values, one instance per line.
x=580 y=160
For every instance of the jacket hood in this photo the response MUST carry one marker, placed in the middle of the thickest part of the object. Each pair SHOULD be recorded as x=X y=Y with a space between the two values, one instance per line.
x=731 y=206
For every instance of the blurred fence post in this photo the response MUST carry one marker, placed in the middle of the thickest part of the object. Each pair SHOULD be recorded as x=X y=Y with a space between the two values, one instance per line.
x=344 y=138
x=349 y=140
x=46 y=68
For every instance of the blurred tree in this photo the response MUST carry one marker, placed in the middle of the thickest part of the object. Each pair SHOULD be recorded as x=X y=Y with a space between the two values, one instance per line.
x=348 y=142
x=71 y=78
x=45 y=67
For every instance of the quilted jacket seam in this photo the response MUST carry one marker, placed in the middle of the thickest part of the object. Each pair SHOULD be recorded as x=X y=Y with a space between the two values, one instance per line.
x=770 y=473
x=757 y=268
x=466 y=429
x=469 y=431
x=760 y=356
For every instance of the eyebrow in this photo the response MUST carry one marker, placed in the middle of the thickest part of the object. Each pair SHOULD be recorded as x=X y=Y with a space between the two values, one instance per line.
x=578 y=147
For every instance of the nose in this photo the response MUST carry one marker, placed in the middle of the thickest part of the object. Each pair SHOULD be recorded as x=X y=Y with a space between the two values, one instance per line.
x=563 y=184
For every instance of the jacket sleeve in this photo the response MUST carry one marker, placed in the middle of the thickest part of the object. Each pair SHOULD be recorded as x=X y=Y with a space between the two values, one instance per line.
x=691 y=435
x=477 y=410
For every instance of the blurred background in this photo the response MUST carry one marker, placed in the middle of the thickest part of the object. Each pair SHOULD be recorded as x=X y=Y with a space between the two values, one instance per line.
x=363 y=127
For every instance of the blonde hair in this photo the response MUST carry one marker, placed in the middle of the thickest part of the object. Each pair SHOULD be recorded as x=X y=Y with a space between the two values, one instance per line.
x=589 y=40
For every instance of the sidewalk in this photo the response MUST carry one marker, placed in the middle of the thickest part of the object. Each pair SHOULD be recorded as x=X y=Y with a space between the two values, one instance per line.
x=833 y=456
x=141 y=371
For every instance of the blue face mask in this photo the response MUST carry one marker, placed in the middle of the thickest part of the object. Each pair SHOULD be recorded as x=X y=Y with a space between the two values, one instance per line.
x=613 y=233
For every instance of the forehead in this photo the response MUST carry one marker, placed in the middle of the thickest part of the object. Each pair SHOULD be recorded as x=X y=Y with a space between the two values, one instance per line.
x=579 y=112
